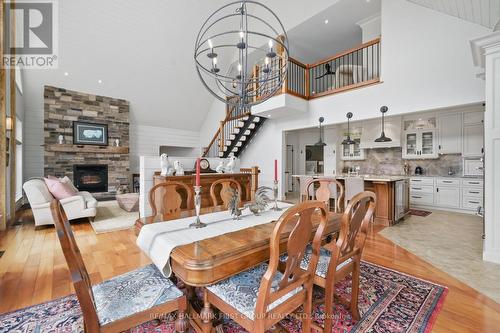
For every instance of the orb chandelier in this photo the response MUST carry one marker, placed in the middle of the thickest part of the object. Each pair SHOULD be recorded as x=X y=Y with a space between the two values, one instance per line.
x=241 y=53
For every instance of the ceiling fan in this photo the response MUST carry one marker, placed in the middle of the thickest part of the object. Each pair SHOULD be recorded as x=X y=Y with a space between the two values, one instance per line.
x=328 y=71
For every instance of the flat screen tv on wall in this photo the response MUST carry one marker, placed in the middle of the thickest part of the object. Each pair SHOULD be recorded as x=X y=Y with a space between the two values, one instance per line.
x=90 y=134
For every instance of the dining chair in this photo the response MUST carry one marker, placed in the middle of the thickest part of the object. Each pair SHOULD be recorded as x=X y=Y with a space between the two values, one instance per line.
x=344 y=256
x=305 y=193
x=329 y=188
x=124 y=301
x=353 y=186
x=220 y=191
x=260 y=297
x=166 y=199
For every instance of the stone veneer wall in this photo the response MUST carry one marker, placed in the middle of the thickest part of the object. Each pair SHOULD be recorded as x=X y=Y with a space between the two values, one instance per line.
x=388 y=161
x=61 y=108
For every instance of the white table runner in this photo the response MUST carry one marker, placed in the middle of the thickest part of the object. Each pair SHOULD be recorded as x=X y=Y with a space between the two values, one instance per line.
x=158 y=239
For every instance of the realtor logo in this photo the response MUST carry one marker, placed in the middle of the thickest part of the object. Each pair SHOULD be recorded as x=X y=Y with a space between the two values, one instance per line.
x=31 y=34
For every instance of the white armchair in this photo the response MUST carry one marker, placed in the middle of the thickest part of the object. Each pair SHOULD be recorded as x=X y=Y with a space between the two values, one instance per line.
x=81 y=205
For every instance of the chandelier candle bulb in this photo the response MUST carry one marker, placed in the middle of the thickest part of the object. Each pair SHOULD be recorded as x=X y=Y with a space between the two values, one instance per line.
x=266 y=67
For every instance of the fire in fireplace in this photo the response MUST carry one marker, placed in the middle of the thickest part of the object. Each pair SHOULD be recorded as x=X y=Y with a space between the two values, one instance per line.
x=91 y=177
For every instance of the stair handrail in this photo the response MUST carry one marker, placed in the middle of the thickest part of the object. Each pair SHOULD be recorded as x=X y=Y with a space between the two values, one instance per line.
x=231 y=109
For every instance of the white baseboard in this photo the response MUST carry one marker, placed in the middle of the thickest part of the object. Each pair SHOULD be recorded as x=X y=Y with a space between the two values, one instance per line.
x=453 y=210
x=492 y=255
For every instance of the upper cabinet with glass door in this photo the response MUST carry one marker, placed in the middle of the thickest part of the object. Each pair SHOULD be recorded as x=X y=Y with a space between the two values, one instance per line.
x=419 y=138
x=352 y=152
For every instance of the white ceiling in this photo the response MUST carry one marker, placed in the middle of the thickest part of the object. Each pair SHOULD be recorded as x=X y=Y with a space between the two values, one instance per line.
x=143 y=52
x=314 y=40
x=483 y=12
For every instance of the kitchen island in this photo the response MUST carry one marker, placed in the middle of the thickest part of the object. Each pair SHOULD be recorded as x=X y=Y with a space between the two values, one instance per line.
x=392 y=195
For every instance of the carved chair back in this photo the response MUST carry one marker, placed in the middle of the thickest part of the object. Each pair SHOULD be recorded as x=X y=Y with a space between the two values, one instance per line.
x=165 y=199
x=79 y=275
x=353 y=229
x=220 y=191
x=328 y=188
x=298 y=219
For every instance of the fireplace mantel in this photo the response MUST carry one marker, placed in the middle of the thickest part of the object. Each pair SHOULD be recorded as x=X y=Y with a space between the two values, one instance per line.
x=87 y=149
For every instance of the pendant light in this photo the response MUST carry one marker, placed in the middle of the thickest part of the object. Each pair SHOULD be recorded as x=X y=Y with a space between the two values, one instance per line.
x=348 y=140
x=320 y=141
x=382 y=137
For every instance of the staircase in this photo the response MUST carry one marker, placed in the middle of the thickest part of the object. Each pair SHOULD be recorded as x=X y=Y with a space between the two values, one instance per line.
x=241 y=135
x=234 y=134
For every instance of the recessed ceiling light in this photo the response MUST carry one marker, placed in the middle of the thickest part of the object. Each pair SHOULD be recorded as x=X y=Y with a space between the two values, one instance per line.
x=66 y=73
x=269 y=116
x=99 y=81
x=326 y=21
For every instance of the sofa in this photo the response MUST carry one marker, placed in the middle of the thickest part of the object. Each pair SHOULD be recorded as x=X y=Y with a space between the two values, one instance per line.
x=81 y=205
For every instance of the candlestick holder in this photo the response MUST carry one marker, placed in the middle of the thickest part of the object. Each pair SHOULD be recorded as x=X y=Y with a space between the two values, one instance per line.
x=275 y=191
x=197 y=207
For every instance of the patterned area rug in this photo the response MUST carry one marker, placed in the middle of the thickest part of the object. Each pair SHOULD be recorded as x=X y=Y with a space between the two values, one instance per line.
x=421 y=213
x=389 y=302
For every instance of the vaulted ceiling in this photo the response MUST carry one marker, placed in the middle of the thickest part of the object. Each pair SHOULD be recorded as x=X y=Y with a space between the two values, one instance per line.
x=141 y=51
x=483 y=12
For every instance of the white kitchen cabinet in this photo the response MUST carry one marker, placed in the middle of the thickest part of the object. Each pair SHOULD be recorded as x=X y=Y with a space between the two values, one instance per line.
x=447 y=196
x=420 y=144
x=417 y=199
x=450 y=133
x=473 y=140
x=472 y=194
x=448 y=193
x=421 y=191
x=353 y=152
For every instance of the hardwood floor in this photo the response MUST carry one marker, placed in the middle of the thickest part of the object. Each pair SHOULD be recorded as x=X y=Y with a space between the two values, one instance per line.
x=33 y=270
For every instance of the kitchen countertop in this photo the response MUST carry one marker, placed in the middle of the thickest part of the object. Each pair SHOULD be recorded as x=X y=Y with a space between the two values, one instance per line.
x=447 y=176
x=386 y=178
x=376 y=178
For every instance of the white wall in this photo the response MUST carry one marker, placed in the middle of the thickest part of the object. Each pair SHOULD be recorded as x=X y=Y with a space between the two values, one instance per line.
x=370 y=28
x=215 y=115
x=146 y=140
x=425 y=63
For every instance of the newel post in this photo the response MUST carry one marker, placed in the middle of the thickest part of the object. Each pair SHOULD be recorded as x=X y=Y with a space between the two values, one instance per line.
x=221 y=142
x=254 y=182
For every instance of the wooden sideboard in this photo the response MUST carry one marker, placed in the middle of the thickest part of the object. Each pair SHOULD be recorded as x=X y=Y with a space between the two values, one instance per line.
x=248 y=178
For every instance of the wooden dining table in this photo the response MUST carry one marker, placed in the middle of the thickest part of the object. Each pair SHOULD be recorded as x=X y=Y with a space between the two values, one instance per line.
x=211 y=260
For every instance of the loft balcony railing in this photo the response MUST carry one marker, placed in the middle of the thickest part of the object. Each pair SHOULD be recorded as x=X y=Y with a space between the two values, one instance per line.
x=351 y=69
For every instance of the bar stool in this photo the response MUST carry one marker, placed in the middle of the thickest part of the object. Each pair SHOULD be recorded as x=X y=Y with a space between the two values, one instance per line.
x=353 y=186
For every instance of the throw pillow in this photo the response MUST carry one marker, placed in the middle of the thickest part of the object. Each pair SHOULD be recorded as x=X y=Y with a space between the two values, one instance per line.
x=58 y=189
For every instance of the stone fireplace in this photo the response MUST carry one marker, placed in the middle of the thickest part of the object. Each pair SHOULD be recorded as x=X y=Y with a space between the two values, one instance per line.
x=91 y=178
x=99 y=169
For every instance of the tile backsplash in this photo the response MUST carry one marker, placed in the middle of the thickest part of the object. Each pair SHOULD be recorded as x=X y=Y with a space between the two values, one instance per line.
x=389 y=161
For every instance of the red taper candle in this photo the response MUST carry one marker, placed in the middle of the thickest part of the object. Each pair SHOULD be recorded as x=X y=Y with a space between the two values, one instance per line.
x=275 y=170
x=198 y=172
